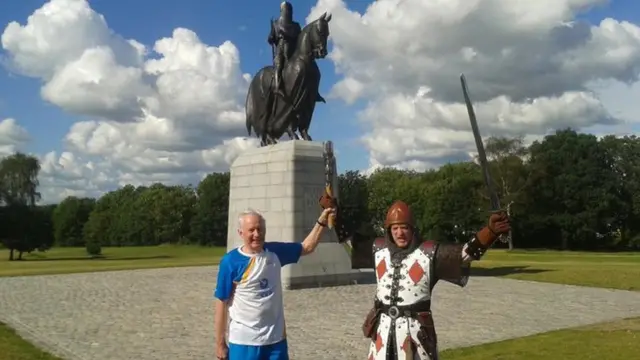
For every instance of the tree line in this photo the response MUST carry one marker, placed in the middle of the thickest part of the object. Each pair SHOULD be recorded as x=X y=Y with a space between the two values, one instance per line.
x=569 y=191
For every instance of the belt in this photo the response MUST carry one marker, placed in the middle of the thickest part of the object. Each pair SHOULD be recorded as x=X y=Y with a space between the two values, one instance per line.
x=396 y=311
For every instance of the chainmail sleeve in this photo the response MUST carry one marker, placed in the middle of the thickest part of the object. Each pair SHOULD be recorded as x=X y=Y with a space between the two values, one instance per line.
x=448 y=264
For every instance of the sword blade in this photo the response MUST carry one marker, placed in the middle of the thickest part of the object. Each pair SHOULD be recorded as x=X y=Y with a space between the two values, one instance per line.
x=482 y=156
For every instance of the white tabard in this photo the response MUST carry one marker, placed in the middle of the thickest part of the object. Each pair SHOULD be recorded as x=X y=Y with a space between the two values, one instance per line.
x=408 y=282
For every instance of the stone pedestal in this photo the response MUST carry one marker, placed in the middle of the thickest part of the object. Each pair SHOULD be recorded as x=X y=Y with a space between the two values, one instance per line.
x=284 y=182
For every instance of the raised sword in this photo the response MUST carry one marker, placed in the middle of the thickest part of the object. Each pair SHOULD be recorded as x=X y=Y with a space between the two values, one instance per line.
x=482 y=156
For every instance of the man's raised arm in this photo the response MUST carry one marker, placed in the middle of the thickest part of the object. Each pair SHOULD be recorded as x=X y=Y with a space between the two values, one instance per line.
x=311 y=241
x=452 y=262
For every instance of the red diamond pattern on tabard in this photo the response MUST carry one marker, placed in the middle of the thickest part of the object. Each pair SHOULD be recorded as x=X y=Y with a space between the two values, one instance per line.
x=371 y=357
x=381 y=268
x=378 y=342
x=416 y=272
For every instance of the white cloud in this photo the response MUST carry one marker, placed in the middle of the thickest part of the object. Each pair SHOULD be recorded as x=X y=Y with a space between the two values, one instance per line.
x=620 y=98
x=12 y=136
x=173 y=110
x=169 y=113
x=532 y=67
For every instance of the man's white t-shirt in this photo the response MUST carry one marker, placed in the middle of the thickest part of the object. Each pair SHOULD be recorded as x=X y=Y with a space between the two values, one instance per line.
x=251 y=283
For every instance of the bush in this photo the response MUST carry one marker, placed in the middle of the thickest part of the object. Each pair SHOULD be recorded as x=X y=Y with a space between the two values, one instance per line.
x=94 y=248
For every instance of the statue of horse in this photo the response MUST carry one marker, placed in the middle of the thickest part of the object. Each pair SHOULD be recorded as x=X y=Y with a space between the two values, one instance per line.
x=270 y=115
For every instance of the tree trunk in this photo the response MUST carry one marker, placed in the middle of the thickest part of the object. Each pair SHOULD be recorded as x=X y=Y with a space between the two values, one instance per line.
x=565 y=240
x=510 y=236
x=19 y=255
x=11 y=255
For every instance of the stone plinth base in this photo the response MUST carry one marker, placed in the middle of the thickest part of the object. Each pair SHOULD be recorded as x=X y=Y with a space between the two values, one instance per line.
x=284 y=182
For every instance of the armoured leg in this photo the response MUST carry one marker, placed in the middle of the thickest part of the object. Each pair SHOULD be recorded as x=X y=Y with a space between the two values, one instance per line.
x=292 y=134
x=278 y=79
x=305 y=135
x=280 y=61
x=286 y=49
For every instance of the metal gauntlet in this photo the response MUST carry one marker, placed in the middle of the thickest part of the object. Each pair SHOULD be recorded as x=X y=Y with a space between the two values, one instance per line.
x=474 y=248
x=481 y=241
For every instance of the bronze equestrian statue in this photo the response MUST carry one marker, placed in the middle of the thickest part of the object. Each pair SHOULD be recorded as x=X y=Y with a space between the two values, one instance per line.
x=282 y=97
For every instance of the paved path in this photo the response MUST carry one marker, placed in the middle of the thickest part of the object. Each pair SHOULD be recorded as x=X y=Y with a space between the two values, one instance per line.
x=168 y=314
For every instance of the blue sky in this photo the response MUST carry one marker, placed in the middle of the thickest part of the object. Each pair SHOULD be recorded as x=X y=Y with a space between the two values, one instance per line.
x=244 y=22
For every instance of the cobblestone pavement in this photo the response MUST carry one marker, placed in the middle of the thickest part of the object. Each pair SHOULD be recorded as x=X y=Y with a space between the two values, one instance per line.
x=168 y=313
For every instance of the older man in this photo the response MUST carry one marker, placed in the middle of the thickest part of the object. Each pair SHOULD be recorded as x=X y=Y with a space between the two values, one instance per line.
x=249 y=290
x=407 y=267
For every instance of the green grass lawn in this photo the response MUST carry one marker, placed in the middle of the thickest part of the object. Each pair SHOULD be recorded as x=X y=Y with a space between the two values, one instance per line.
x=76 y=260
x=13 y=347
x=607 y=270
x=619 y=340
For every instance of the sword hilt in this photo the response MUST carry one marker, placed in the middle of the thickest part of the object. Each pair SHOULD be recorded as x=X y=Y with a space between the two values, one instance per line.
x=331 y=220
x=502 y=237
x=329 y=164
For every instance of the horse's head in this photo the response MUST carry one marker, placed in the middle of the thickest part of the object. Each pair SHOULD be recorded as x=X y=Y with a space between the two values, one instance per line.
x=318 y=36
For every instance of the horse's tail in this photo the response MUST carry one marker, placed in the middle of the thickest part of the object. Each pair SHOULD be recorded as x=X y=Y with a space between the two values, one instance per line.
x=257 y=105
x=248 y=123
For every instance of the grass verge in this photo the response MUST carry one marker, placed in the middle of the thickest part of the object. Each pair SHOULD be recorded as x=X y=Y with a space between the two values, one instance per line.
x=606 y=270
x=618 y=340
x=76 y=260
x=13 y=347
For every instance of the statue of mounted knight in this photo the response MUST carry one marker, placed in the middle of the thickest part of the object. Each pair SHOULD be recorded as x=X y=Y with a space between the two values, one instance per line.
x=282 y=97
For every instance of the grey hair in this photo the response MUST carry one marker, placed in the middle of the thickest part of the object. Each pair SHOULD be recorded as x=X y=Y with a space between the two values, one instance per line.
x=249 y=212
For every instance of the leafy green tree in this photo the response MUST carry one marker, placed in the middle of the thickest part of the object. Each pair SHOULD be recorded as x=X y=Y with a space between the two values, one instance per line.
x=625 y=154
x=574 y=194
x=30 y=229
x=132 y=224
x=94 y=231
x=19 y=179
x=209 y=224
x=451 y=206
x=509 y=171
x=69 y=219
x=353 y=195
x=94 y=249
x=107 y=218
x=169 y=210
x=23 y=227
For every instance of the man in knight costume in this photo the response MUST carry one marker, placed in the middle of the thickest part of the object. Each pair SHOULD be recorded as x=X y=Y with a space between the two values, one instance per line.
x=407 y=268
x=284 y=38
